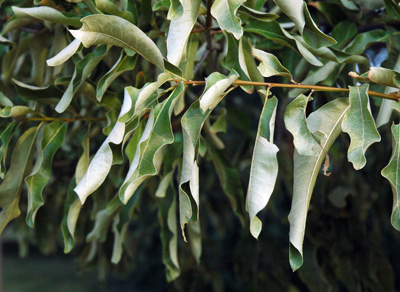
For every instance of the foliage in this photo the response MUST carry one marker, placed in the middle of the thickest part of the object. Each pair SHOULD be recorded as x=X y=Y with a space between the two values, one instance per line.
x=105 y=120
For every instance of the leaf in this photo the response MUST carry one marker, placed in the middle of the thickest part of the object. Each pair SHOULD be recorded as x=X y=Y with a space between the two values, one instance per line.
x=216 y=84
x=264 y=166
x=229 y=179
x=194 y=231
x=64 y=54
x=103 y=160
x=5 y=137
x=360 y=125
x=10 y=188
x=392 y=173
x=247 y=62
x=363 y=40
x=326 y=121
x=384 y=76
x=109 y=7
x=156 y=135
x=270 y=65
x=47 y=14
x=83 y=70
x=298 y=12
x=113 y=30
x=175 y=10
x=224 y=11
x=6 y=42
x=296 y=123
x=169 y=234
x=259 y=15
x=52 y=139
x=123 y=64
x=192 y=122
x=15 y=111
x=179 y=30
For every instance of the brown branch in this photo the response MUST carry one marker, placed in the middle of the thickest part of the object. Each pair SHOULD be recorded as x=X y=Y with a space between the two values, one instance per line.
x=298 y=85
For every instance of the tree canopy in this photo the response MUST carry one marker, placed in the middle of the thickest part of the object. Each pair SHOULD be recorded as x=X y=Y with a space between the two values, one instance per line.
x=116 y=115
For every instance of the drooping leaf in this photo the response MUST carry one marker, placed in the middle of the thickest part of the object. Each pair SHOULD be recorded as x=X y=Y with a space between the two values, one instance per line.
x=247 y=62
x=72 y=208
x=270 y=65
x=224 y=11
x=175 y=10
x=298 y=12
x=109 y=7
x=15 y=111
x=264 y=166
x=83 y=70
x=384 y=76
x=392 y=173
x=363 y=40
x=48 y=14
x=169 y=234
x=157 y=134
x=52 y=139
x=5 y=136
x=103 y=160
x=113 y=30
x=216 y=84
x=123 y=64
x=360 y=125
x=326 y=121
x=296 y=123
x=194 y=230
x=10 y=188
x=192 y=123
x=179 y=30
x=259 y=15
x=64 y=54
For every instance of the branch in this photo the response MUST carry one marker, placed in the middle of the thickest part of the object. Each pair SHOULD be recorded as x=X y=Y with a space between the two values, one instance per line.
x=298 y=85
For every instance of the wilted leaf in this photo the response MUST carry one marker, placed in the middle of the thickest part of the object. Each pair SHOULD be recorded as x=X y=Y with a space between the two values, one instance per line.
x=327 y=122
x=52 y=139
x=224 y=12
x=156 y=135
x=298 y=12
x=392 y=173
x=113 y=30
x=360 y=125
x=264 y=166
x=48 y=14
x=64 y=54
x=103 y=160
x=180 y=28
x=10 y=188
x=259 y=15
x=270 y=65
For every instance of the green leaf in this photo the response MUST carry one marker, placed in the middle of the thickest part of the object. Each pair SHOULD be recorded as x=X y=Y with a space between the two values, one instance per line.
x=264 y=166
x=123 y=64
x=392 y=9
x=64 y=54
x=229 y=179
x=83 y=70
x=296 y=123
x=259 y=15
x=113 y=30
x=6 y=42
x=194 y=231
x=216 y=84
x=110 y=8
x=5 y=137
x=179 y=30
x=363 y=40
x=298 y=12
x=175 y=10
x=156 y=135
x=192 y=123
x=52 y=139
x=384 y=76
x=72 y=208
x=15 y=111
x=103 y=160
x=10 y=188
x=360 y=125
x=47 y=14
x=270 y=65
x=224 y=11
x=392 y=173
x=169 y=234
x=326 y=121
x=247 y=62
